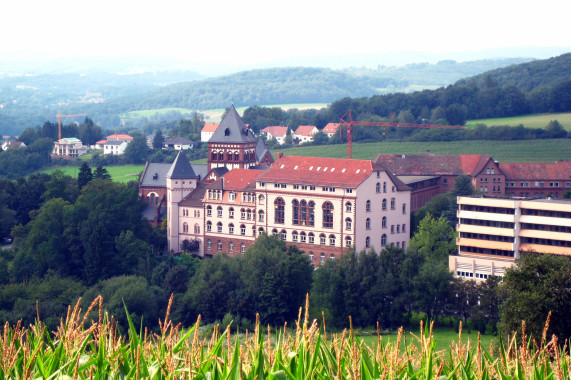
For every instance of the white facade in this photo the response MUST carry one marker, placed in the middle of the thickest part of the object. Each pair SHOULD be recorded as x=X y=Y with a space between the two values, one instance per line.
x=115 y=147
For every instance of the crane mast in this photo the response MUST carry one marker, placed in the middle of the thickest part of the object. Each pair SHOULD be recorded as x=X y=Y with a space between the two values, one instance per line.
x=348 y=122
x=59 y=117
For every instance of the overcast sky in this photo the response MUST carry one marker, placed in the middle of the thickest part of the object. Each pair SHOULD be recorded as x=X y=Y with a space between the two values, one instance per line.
x=255 y=31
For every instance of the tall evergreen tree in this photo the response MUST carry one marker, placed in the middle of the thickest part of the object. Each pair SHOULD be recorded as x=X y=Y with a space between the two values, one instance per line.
x=84 y=175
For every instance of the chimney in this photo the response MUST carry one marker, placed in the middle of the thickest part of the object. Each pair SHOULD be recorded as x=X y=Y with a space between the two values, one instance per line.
x=279 y=155
x=428 y=151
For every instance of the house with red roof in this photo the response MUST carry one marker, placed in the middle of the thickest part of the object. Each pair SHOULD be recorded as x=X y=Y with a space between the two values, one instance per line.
x=537 y=179
x=330 y=129
x=207 y=131
x=12 y=145
x=304 y=133
x=275 y=132
x=115 y=144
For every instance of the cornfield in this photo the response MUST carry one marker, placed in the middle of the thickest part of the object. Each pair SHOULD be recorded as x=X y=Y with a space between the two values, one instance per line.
x=89 y=346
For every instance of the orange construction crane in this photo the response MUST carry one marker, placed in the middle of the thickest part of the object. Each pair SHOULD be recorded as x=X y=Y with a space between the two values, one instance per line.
x=59 y=117
x=348 y=122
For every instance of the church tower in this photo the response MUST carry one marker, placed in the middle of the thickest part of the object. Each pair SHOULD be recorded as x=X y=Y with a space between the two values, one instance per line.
x=181 y=181
x=233 y=145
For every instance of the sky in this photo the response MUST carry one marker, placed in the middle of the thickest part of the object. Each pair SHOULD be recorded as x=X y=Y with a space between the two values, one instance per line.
x=252 y=32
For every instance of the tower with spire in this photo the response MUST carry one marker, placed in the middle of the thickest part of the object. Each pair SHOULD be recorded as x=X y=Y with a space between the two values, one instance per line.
x=181 y=181
x=233 y=145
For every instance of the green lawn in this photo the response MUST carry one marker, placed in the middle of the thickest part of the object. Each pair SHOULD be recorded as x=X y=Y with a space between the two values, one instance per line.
x=443 y=337
x=548 y=150
x=529 y=121
x=148 y=113
x=123 y=174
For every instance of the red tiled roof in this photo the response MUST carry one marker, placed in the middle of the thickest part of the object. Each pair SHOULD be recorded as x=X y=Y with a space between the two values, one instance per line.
x=305 y=130
x=331 y=128
x=210 y=127
x=433 y=164
x=241 y=179
x=101 y=142
x=275 y=131
x=318 y=171
x=560 y=170
x=119 y=137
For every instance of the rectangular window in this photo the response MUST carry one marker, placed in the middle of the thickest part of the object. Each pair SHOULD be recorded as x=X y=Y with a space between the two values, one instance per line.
x=296 y=187
x=304 y=187
x=349 y=191
x=312 y=188
x=403 y=229
x=392 y=228
x=311 y=239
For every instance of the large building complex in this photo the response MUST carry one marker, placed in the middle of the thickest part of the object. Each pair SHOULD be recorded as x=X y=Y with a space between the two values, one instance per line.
x=493 y=232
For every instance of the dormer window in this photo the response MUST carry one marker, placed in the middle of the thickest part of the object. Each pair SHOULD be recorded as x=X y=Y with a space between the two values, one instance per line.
x=227 y=132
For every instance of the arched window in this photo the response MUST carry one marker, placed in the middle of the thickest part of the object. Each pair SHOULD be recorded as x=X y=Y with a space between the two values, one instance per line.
x=384 y=187
x=302 y=237
x=219 y=227
x=196 y=228
x=208 y=226
x=393 y=203
x=311 y=258
x=327 y=215
x=279 y=206
x=348 y=241
x=368 y=206
x=322 y=239
x=249 y=214
x=219 y=211
x=283 y=235
x=322 y=258
x=404 y=208
x=243 y=213
x=383 y=240
x=229 y=156
x=153 y=199
x=378 y=187
x=368 y=224
x=384 y=222
x=348 y=223
x=209 y=245
x=219 y=245
x=331 y=239
x=242 y=229
x=214 y=156
x=231 y=228
x=311 y=238
x=231 y=212
x=384 y=205
x=260 y=230
x=294 y=236
x=208 y=210
x=348 y=207
x=311 y=213
x=261 y=216
x=254 y=231
x=221 y=156
x=185 y=227
x=242 y=248
x=331 y=257
x=368 y=242
x=275 y=232
x=231 y=247
x=295 y=211
x=261 y=199
x=227 y=132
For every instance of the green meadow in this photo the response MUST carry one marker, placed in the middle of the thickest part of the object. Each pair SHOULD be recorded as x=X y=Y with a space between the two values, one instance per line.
x=528 y=121
x=548 y=150
x=123 y=173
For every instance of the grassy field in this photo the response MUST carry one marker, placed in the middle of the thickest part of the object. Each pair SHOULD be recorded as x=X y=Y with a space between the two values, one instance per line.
x=503 y=151
x=124 y=173
x=443 y=337
x=148 y=113
x=529 y=121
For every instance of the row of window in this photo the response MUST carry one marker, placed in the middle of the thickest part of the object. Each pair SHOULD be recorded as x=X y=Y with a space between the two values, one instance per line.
x=232 y=156
x=230 y=246
x=544 y=227
x=470 y=235
x=548 y=213
x=186 y=212
x=487 y=251
x=384 y=205
x=537 y=184
x=487 y=223
x=483 y=276
x=384 y=242
x=378 y=187
x=494 y=210
x=219 y=228
x=248 y=214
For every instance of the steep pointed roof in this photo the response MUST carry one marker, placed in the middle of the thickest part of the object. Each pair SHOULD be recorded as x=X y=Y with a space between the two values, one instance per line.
x=261 y=150
x=181 y=168
x=232 y=130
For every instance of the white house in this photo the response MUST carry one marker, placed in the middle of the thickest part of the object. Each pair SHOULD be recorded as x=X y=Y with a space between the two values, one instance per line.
x=277 y=132
x=207 y=131
x=304 y=133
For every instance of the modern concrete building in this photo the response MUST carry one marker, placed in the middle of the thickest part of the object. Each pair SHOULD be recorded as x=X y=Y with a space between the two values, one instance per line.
x=493 y=232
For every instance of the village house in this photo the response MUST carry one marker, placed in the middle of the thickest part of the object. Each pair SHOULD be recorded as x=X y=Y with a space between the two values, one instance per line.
x=494 y=231
x=330 y=129
x=178 y=143
x=304 y=133
x=275 y=132
x=115 y=144
x=12 y=145
x=207 y=131
x=68 y=147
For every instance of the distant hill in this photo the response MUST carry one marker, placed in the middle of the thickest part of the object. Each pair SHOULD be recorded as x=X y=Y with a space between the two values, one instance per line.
x=526 y=76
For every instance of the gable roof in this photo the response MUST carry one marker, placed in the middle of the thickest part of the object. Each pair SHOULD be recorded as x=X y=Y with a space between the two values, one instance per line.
x=194 y=199
x=433 y=164
x=115 y=142
x=331 y=128
x=14 y=144
x=241 y=179
x=232 y=130
x=181 y=168
x=155 y=175
x=306 y=130
x=119 y=137
x=210 y=127
x=275 y=131
x=318 y=171
x=261 y=150
x=560 y=170
x=179 y=140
